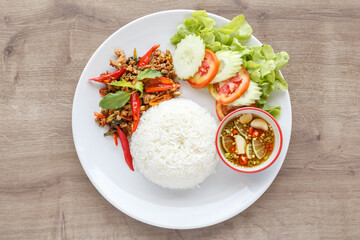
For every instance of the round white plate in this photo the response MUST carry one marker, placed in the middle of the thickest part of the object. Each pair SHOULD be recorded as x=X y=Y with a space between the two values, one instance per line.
x=220 y=197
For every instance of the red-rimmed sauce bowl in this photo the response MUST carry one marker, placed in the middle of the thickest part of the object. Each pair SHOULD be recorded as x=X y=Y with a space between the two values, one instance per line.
x=277 y=145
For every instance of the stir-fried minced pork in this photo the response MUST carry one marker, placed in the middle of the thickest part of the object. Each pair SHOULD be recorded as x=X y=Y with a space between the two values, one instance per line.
x=123 y=117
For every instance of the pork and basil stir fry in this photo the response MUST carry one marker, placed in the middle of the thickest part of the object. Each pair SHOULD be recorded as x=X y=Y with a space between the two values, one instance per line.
x=148 y=82
x=138 y=84
x=247 y=140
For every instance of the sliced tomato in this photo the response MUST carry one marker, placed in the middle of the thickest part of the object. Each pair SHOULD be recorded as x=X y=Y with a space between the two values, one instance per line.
x=231 y=89
x=207 y=71
x=223 y=110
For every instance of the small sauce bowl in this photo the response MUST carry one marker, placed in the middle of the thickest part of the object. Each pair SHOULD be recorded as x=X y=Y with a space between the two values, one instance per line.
x=277 y=136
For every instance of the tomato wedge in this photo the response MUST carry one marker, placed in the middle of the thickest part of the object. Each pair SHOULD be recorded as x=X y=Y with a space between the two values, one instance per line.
x=207 y=71
x=223 y=110
x=231 y=89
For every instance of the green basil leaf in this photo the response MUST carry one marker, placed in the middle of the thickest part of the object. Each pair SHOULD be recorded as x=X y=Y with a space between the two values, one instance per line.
x=148 y=73
x=122 y=83
x=115 y=100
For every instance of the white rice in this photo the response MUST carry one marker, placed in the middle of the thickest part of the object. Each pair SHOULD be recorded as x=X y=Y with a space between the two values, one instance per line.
x=174 y=144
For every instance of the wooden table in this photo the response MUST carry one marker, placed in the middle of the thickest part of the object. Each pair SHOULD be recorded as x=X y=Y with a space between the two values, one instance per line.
x=44 y=192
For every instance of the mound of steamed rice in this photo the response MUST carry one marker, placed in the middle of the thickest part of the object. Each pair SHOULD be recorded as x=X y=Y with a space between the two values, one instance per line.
x=174 y=144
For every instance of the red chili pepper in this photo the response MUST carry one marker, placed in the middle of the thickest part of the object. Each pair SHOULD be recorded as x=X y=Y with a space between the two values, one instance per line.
x=126 y=149
x=234 y=131
x=255 y=134
x=135 y=107
x=99 y=115
x=144 y=60
x=161 y=87
x=251 y=129
x=115 y=138
x=158 y=80
x=243 y=160
x=106 y=78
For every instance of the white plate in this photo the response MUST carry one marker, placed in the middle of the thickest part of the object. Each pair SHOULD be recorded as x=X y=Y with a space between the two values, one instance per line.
x=220 y=197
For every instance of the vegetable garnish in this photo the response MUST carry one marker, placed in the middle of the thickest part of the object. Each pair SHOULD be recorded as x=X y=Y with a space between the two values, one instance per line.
x=202 y=25
x=126 y=149
x=188 y=56
x=146 y=58
x=135 y=107
x=115 y=100
x=207 y=71
x=261 y=62
x=230 y=64
x=229 y=90
x=107 y=78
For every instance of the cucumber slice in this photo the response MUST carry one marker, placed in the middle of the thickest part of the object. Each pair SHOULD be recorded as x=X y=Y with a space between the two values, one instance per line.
x=188 y=56
x=230 y=64
x=251 y=95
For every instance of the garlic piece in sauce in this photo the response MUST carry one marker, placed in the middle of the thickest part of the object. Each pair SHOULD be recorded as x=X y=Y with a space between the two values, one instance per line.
x=240 y=144
x=259 y=124
x=246 y=118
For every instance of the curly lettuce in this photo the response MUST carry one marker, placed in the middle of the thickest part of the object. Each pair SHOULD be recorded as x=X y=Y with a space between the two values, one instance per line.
x=215 y=39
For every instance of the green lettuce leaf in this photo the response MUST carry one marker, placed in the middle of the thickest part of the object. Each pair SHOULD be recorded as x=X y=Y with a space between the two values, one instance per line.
x=280 y=83
x=244 y=31
x=281 y=60
x=233 y=25
x=274 y=111
x=115 y=100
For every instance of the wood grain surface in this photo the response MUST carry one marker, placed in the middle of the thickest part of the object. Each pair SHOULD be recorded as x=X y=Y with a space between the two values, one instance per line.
x=45 y=193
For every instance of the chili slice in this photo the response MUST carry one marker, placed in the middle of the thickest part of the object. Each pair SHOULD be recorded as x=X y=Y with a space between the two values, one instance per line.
x=255 y=134
x=243 y=160
x=161 y=87
x=158 y=80
x=101 y=91
x=126 y=149
x=144 y=60
x=115 y=138
x=99 y=115
x=106 y=78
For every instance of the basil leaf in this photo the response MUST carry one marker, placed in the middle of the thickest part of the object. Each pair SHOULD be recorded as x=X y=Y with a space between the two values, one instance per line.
x=148 y=73
x=115 y=100
x=122 y=83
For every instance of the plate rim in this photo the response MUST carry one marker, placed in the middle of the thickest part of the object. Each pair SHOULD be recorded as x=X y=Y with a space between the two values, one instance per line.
x=115 y=204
